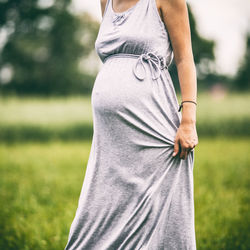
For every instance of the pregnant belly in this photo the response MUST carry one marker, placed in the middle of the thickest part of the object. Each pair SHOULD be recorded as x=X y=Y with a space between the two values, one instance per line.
x=117 y=87
x=120 y=99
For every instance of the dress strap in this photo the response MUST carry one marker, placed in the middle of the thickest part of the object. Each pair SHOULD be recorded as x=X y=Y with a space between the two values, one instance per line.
x=156 y=12
x=106 y=7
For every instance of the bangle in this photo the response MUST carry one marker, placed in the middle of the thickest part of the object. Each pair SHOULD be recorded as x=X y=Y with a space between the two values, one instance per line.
x=181 y=105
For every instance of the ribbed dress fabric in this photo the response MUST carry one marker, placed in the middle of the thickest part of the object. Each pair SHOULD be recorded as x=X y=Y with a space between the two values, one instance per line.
x=135 y=194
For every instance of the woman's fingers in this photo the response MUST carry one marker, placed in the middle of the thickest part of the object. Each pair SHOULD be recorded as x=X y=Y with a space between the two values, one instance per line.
x=182 y=148
x=184 y=152
x=185 y=149
x=185 y=141
x=176 y=147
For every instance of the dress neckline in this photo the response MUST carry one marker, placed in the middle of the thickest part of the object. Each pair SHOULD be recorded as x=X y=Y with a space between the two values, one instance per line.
x=123 y=12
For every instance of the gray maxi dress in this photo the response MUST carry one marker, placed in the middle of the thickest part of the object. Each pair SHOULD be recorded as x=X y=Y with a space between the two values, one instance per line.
x=135 y=194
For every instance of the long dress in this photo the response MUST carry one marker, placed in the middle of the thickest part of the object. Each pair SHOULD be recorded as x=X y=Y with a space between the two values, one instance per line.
x=135 y=194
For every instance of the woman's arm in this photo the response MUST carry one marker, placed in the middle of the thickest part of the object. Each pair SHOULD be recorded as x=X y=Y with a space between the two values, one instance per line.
x=174 y=14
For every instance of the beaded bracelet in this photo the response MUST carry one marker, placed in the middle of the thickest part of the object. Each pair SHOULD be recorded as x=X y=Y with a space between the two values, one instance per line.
x=181 y=105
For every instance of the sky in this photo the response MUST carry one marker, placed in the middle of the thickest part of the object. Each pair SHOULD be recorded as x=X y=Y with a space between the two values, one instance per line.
x=225 y=21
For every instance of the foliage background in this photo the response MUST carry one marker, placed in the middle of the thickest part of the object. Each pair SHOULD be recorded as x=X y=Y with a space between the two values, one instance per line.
x=46 y=129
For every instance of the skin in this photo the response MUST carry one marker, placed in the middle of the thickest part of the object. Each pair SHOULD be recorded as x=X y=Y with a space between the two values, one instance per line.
x=174 y=14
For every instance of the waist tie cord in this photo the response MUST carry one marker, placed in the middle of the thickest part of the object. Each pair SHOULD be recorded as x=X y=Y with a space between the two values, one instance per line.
x=154 y=63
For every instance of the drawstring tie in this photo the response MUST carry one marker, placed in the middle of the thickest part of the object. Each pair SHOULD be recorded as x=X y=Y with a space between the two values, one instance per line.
x=119 y=19
x=154 y=63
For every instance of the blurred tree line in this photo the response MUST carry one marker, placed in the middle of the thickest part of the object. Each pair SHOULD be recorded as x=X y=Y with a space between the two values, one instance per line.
x=46 y=42
x=44 y=47
x=242 y=79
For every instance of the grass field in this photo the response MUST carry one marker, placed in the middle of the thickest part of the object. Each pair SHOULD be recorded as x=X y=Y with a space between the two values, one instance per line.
x=58 y=111
x=40 y=185
x=70 y=118
x=44 y=148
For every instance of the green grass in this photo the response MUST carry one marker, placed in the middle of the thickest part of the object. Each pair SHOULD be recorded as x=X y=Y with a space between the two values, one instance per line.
x=70 y=118
x=214 y=107
x=221 y=193
x=58 y=111
x=40 y=186
x=41 y=177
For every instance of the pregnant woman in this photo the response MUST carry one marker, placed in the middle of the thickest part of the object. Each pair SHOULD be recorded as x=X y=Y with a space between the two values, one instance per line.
x=138 y=187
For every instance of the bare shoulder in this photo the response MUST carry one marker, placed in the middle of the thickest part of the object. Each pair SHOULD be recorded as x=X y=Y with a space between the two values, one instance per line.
x=175 y=17
x=173 y=9
x=172 y=4
x=103 y=4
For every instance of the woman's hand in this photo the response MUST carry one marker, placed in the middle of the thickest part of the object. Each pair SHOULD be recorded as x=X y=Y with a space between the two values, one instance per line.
x=176 y=19
x=186 y=139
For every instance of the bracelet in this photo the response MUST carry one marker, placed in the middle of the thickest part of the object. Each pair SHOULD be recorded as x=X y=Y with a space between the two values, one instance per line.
x=181 y=105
